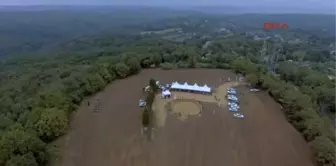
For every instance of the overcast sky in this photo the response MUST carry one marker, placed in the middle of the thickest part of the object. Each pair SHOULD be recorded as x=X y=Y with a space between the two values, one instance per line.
x=289 y=3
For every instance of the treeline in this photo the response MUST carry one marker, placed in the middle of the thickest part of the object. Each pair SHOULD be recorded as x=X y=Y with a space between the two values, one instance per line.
x=147 y=114
x=299 y=108
x=318 y=86
x=28 y=124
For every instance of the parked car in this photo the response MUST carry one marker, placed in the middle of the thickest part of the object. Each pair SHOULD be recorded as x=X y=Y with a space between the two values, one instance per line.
x=232 y=98
x=142 y=103
x=233 y=105
x=237 y=115
x=233 y=109
x=254 y=90
x=232 y=92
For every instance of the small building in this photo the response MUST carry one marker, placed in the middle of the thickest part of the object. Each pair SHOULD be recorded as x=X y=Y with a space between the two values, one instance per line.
x=166 y=94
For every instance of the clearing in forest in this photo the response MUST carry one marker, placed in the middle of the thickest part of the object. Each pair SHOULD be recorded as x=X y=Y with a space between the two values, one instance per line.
x=163 y=106
x=113 y=136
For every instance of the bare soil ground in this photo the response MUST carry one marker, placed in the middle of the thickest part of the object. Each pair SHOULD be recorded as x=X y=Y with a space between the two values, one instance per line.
x=112 y=136
x=184 y=108
x=217 y=97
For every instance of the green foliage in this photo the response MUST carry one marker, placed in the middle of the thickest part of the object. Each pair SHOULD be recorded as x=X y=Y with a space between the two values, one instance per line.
x=204 y=65
x=22 y=160
x=299 y=55
x=167 y=66
x=122 y=70
x=147 y=114
x=16 y=142
x=5 y=122
x=51 y=123
x=324 y=150
x=134 y=65
x=145 y=118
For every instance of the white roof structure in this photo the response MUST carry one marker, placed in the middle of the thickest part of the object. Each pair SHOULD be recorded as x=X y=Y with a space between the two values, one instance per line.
x=166 y=93
x=186 y=86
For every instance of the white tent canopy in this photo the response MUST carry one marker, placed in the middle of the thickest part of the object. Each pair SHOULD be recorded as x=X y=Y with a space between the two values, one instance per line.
x=166 y=93
x=186 y=86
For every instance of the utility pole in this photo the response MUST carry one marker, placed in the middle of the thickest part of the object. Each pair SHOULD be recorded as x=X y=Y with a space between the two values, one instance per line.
x=263 y=50
x=264 y=53
x=277 y=53
x=270 y=55
x=274 y=57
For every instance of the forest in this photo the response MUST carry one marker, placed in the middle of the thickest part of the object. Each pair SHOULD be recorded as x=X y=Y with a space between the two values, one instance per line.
x=41 y=88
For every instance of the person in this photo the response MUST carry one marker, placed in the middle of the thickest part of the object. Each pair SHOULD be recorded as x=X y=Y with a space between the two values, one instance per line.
x=88 y=103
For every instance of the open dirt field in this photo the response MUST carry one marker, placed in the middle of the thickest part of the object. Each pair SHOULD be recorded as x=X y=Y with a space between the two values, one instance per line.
x=112 y=136
x=184 y=108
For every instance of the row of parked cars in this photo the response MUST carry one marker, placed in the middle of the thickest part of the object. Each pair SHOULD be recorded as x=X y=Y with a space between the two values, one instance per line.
x=233 y=102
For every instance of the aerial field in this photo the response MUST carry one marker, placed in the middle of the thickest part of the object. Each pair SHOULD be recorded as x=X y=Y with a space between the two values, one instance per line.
x=193 y=130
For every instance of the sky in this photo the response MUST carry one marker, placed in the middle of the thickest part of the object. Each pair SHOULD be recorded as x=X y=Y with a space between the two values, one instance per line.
x=289 y=3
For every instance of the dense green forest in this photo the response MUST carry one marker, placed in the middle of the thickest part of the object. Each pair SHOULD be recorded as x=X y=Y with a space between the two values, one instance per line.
x=26 y=31
x=41 y=89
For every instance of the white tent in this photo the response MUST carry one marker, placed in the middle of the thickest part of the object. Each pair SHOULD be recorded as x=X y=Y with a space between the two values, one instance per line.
x=186 y=86
x=166 y=93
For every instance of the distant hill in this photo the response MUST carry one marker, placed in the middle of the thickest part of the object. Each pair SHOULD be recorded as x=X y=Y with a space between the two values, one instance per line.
x=260 y=10
x=34 y=28
x=25 y=29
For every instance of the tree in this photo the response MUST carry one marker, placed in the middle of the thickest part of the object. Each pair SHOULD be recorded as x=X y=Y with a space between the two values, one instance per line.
x=96 y=82
x=134 y=65
x=145 y=118
x=103 y=71
x=299 y=55
x=253 y=79
x=15 y=141
x=51 y=123
x=5 y=121
x=22 y=160
x=192 y=61
x=166 y=66
x=153 y=85
x=122 y=70
x=157 y=59
x=314 y=127
x=54 y=98
x=324 y=150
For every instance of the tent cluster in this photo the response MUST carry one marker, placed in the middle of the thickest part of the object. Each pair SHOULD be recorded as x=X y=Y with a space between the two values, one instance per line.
x=187 y=87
